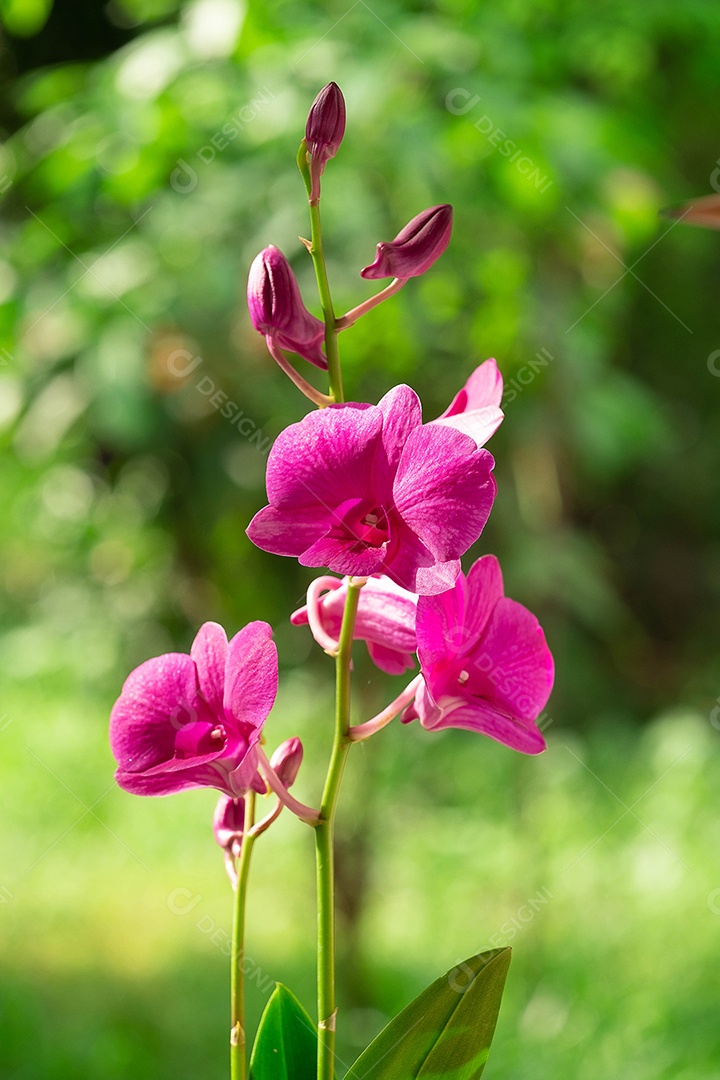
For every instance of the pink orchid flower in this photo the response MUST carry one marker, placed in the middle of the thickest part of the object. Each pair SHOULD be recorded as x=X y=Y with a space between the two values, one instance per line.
x=476 y=408
x=369 y=489
x=385 y=619
x=195 y=721
x=485 y=663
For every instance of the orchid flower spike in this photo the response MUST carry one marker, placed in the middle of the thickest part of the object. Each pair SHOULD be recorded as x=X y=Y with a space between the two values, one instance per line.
x=277 y=309
x=324 y=132
x=415 y=248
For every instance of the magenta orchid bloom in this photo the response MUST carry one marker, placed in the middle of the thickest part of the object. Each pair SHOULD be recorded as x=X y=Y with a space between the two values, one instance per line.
x=365 y=489
x=476 y=408
x=194 y=721
x=385 y=619
x=485 y=663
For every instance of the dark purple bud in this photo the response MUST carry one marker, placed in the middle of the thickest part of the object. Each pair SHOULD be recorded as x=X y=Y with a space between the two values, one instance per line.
x=324 y=132
x=287 y=759
x=415 y=248
x=277 y=309
x=228 y=824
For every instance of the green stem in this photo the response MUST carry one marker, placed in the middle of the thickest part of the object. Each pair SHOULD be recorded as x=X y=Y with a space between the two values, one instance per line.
x=331 y=333
x=238 y=1056
x=324 y=843
x=315 y=247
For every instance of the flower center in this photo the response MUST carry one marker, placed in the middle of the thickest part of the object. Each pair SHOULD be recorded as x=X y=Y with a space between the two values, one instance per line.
x=198 y=738
x=373 y=527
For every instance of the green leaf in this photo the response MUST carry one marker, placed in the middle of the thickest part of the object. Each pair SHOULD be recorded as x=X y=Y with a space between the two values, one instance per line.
x=446 y=1032
x=286 y=1043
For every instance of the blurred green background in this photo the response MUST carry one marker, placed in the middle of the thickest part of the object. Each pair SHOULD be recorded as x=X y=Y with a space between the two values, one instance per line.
x=147 y=155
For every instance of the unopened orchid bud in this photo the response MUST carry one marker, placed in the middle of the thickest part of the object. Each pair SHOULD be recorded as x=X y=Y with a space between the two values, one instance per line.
x=228 y=824
x=324 y=132
x=287 y=759
x=415 y=248
x=277 y=309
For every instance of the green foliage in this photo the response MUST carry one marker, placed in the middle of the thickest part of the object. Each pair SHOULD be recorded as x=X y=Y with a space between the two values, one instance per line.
x=446 y=1031
x=125 y=239
x=286 y=1044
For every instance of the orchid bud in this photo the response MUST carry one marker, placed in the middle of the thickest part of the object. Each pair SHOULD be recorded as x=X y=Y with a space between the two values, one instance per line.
x=228 y=824
x=277 y=309
x=324 y=132
x=287 y=759
x=415 y=248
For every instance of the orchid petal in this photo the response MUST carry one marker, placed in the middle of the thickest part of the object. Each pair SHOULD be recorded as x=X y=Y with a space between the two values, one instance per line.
x=523 y=669
x=327 y=452
x=487 y=719
x=209 y=651
x=479 y=424
x=444 y=489
x=251 y=675
x=157 y=699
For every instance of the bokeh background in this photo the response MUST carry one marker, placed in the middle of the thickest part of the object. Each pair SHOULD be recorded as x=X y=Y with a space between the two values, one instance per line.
x=147 y=155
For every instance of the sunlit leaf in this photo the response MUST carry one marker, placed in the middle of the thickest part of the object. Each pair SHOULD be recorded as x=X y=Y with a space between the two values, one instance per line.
x=285 y=1045
x=446 y=1032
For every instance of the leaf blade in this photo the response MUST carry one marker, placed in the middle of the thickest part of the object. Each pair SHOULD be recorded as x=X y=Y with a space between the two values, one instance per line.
x=446 y=1031
x=286 y=1043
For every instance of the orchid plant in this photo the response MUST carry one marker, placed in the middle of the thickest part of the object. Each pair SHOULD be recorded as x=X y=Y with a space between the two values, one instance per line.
x=389 y=505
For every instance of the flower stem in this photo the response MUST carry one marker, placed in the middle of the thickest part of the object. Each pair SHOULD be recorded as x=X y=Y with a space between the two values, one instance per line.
x=238 y=1058
x=305 y=813
x=324 y=843
x=370 y=727
x=315 y=247
x=331 y=333
x=351 y=317
x=306 y=388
